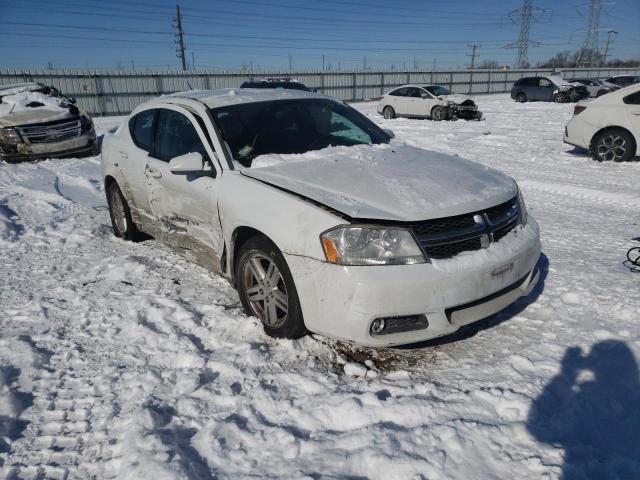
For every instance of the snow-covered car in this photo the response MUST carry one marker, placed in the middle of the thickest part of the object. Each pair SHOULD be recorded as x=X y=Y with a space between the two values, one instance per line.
x=36 y=121
x=427 y=101
x=552 y=88
x=320 y=221
x=608 y=126
x=290 y=83
x=596 y=88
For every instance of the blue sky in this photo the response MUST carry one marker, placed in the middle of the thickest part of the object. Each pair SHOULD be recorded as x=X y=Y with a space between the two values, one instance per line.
x=274 y=34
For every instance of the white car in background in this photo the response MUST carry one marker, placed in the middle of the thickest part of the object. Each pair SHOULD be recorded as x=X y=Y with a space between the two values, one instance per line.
x=608 y=126
x=427 y=101
x=320 y=223
x=596 y=88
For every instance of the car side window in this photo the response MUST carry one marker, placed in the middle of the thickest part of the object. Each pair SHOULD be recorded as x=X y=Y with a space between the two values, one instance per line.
x=414 y=92
x=633 y=99
x=175 y=136
x=400 y=92
x=544 y=82
x=141 y=129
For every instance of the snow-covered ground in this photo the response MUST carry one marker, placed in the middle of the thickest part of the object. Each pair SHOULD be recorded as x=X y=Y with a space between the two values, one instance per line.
x=121 y=360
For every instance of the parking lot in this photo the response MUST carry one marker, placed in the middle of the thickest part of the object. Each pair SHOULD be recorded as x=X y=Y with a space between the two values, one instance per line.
x=126 y=359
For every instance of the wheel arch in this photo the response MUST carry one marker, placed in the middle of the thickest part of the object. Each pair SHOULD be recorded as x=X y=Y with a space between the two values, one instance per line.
x=614 y=127
x=240 y=235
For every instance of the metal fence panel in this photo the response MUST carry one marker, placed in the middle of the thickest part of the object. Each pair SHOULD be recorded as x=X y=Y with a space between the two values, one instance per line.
x=113 y=92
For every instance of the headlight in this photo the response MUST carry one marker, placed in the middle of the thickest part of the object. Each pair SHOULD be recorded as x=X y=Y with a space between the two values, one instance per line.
x=523 y=208
x=9 y=135
x=363 y=245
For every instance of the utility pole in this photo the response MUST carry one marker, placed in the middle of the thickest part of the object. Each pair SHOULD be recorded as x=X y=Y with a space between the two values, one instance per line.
x=323 y=62
x=527 y=14
x=179 y=38
x=133 y=65
x=473 y=55
x=193 y=60
x=290 y=63
x=610 y=34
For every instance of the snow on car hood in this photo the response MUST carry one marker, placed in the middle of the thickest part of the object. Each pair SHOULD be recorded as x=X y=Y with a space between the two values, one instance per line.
x=386 y=182
x=455 y=98
x=30 y=107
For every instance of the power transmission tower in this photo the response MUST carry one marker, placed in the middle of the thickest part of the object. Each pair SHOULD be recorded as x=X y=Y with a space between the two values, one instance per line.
x=527 y=14
x=591 y=45
x=474 y=55
x=179 y=38
x=610 y=34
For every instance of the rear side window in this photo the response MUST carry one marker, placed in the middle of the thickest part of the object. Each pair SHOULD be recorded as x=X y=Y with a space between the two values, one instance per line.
x=141 y=128
x=400 y=92
x=175 y=136
x=633 y=99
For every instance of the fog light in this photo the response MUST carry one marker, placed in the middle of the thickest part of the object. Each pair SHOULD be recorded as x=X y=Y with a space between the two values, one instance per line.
x=377 y=326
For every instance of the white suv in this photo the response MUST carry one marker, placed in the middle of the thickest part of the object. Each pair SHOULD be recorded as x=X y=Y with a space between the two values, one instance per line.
x=319 y=220
x=608 y=126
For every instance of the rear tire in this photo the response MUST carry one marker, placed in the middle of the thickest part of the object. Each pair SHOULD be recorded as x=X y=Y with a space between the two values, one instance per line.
x=521 y=98
x=123 y=225
x=439 y=113
x=601 y=92
x=388 y=112
x=266 y=288
x=615 y=145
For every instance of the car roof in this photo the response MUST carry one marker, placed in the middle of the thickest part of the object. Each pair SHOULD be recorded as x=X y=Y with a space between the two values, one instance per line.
x=19 y=87
x=233 y=96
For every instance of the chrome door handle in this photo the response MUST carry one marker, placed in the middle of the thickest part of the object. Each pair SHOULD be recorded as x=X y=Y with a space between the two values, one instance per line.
x=152 y=172
x=123 y=154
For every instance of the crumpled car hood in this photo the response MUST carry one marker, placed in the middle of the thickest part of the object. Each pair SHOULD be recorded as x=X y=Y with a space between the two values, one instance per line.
x=455 y=98
x=386 y=182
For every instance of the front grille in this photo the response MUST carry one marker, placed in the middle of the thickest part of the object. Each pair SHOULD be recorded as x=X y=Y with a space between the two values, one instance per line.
x=51 y=132
x=446 y=237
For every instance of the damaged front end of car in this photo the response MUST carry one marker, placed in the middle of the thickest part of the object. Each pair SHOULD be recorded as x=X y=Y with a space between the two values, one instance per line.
x=466 y=110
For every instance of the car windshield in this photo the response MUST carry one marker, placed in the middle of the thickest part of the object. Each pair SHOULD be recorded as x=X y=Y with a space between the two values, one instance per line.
x=292 y=126
x=437 y=90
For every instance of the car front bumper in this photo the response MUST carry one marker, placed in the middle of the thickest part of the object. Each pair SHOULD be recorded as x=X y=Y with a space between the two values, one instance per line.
x=342 y=302
x=86 y=143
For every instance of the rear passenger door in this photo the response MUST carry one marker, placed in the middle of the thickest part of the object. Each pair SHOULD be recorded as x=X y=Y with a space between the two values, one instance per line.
x=184 y=206
x=400 y=102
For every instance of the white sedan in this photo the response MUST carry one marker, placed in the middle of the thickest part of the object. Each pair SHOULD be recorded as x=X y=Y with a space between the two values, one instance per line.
x=427 y=101
x=608 y=126
x=321 y=222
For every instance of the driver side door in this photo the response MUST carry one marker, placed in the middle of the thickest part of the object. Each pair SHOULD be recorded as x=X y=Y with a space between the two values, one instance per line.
x=184 y=205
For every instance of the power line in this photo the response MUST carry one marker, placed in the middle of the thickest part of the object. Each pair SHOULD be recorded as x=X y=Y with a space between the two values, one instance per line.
x=527 y=15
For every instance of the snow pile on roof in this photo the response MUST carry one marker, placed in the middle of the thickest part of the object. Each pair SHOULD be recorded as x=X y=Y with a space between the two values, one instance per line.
x=27 y=100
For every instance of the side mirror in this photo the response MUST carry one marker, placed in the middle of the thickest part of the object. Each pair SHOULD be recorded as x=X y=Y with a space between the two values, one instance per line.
x=389 y=132
x=187 y=163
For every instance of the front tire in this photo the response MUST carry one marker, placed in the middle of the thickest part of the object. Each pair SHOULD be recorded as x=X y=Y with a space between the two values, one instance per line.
x=266 y=289
x=388 y=112
x=123 y=225
x=560 y=98
x=439 y=113
x=601 y=92
x=615 y=145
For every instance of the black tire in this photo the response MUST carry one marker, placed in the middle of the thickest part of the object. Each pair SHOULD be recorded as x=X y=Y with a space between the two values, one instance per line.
x=289 y=324
x=601 y=92
x=615 y=145
x=521 y=97
x=560 y=98
x=123 y=225
x=388 y=112
x=439 y=113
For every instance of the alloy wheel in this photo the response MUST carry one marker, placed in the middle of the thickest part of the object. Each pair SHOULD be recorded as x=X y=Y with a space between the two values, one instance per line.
x=119 y=214
x=612 y=148
x=265 y=290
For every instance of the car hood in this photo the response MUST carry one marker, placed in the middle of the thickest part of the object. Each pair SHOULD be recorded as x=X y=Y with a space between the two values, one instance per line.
x=456 y=98
x=386 y=182
x=24 y=108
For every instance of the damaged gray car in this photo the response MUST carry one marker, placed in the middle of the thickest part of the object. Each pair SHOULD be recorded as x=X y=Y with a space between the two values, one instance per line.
x=37 y=121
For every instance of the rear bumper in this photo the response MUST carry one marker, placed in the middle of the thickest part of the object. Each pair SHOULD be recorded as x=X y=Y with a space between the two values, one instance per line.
x=342 y=302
